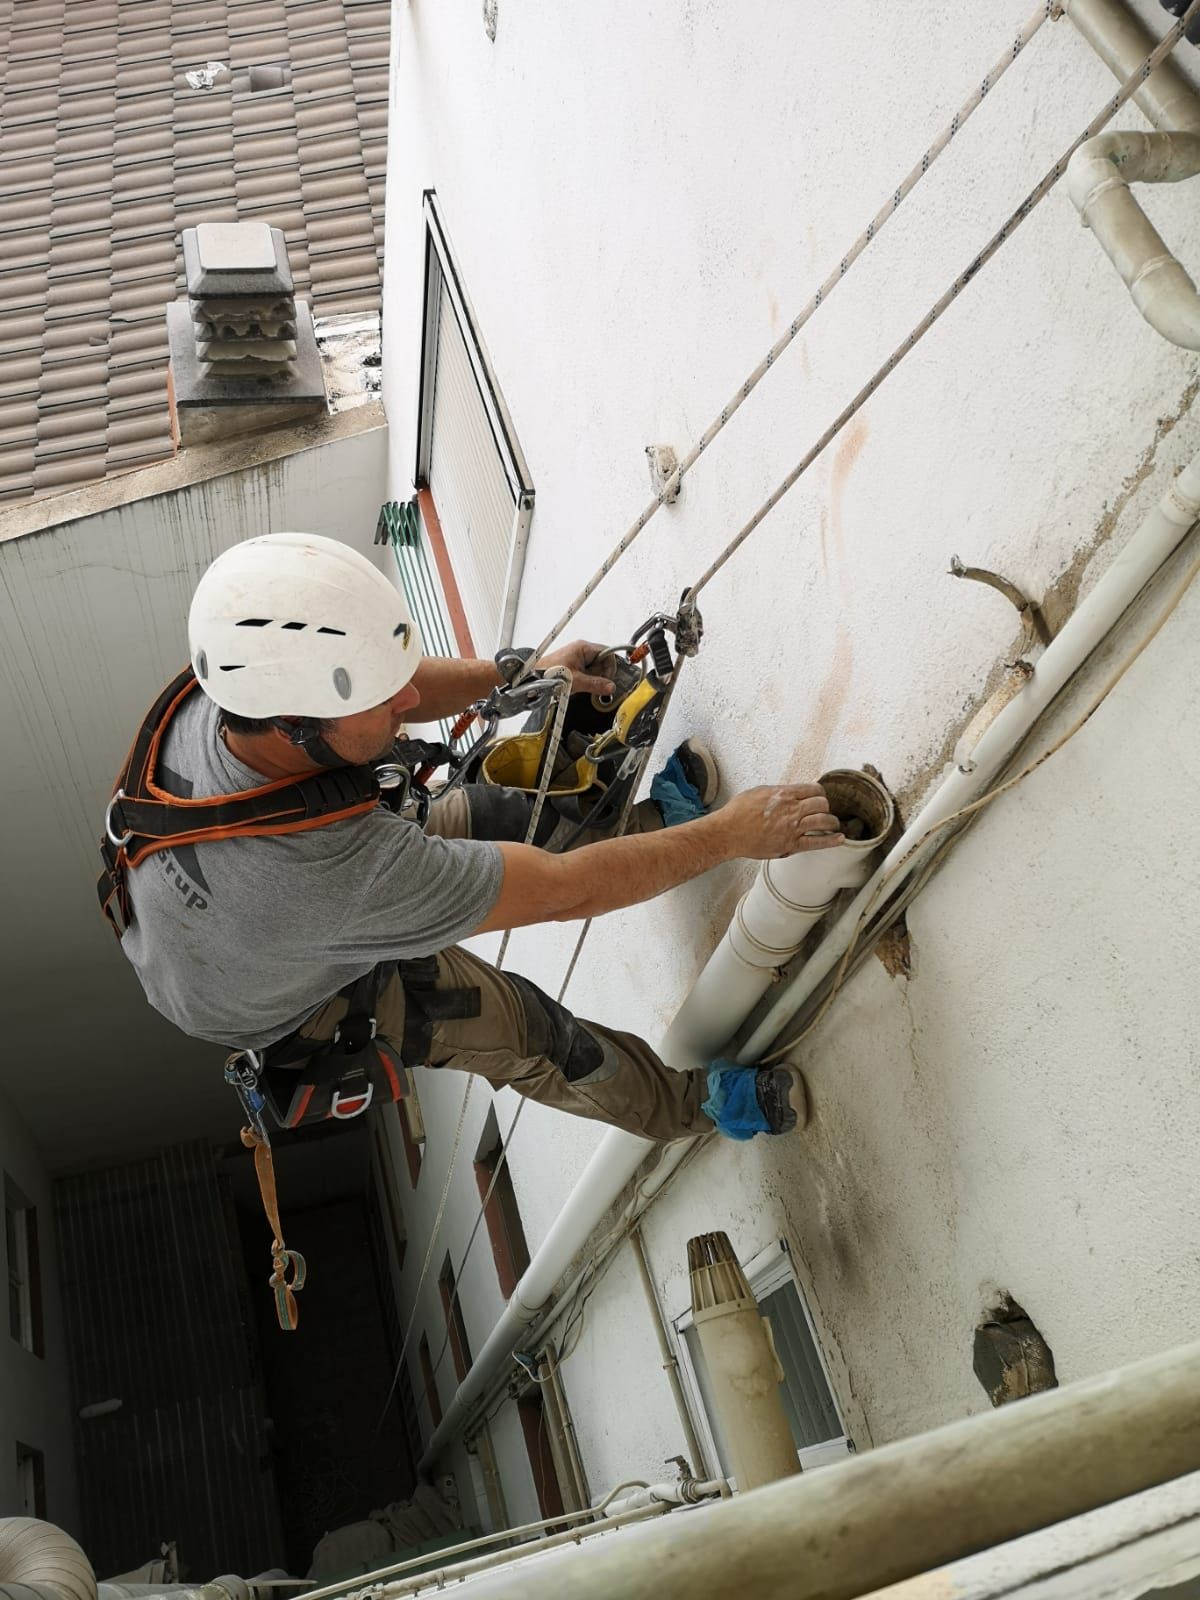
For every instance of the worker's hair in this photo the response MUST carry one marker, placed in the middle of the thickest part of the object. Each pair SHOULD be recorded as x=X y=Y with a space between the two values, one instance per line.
x=240 y=724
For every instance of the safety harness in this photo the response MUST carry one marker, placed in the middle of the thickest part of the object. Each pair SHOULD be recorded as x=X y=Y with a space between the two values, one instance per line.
x=142 y=817
x=299 y=1079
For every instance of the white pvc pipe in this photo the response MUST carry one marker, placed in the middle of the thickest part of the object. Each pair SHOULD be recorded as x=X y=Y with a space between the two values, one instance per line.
x=1122 y=42
x=788 y=897
x=1098 y=179
x=890 y=1513
x=43 y=1560
x=1162 y=531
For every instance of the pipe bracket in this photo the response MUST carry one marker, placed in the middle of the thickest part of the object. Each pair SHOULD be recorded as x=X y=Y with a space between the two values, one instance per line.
x=1029 y=611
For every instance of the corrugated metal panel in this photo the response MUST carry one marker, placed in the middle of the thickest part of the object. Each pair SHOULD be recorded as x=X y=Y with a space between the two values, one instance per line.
x=469 y=484
x=157 y=1318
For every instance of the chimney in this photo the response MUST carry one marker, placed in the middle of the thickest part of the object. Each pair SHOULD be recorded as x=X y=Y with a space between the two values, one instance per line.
x=243 y=355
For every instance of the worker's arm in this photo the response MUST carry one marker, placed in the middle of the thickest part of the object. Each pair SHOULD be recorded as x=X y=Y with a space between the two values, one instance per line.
x=447 y=687
x=757 y=824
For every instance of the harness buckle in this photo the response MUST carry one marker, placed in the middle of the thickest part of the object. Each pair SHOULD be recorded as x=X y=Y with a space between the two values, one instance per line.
x=121 y=842
x=356 y=1100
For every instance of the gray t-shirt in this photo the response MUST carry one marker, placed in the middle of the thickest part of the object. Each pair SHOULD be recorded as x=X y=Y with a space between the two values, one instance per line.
x=240 y=940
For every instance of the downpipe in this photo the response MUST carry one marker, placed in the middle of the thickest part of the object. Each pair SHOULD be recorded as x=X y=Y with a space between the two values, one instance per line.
x=787 y=899
x=1098 y=179
x=906 y=1508
x=1123 y=42
x=1154 y=541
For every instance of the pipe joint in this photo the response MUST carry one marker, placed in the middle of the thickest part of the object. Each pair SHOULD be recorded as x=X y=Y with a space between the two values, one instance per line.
x=1098 y=179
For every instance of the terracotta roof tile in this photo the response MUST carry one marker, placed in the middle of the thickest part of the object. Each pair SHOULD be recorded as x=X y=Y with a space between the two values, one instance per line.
x=152 y=447
x=107 y=153
x=54 y=475
x=20 y=375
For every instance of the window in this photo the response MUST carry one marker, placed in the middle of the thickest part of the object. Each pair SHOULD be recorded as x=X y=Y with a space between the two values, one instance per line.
x=475 y=491
x=500 y=1210
x=31 y=1482
x=24 y=1275
x=429 y=1380
x=404 y=1122
x=808 y=1400
x=455 y=1325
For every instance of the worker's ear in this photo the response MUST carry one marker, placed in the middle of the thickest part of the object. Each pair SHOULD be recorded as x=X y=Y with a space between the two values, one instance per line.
x=292 y=730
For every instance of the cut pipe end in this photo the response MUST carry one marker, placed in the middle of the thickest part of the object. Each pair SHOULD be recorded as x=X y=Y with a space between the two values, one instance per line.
x=860 y=803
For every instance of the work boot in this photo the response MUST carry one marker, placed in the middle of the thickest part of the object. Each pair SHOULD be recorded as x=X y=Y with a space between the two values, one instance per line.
x=743 y=1101
x=700 y=769
x=687 y=786
x=782 y=1097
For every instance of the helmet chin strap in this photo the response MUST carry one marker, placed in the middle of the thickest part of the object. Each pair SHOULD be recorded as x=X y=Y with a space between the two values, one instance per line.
x=305 y=733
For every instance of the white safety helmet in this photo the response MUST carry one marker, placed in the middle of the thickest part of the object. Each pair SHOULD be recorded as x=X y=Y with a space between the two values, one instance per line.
x=297 y=625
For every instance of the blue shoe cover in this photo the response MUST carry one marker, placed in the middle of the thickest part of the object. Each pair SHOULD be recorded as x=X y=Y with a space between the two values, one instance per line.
x=675 y=796
x=732 y=1102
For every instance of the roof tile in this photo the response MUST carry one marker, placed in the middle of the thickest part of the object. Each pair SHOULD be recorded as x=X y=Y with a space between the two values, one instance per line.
x=153 y=447
x=49 y=476
x=106 y=153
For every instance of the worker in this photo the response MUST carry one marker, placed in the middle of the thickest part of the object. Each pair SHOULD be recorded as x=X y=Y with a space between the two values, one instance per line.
x=307 y=942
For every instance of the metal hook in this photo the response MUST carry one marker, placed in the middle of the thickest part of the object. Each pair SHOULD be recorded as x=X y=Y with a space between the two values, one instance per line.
x=108 y=829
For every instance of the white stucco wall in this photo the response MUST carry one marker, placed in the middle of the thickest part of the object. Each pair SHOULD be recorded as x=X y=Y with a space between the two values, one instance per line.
x=35 y=1399
x=640 y=197
x=94 y=591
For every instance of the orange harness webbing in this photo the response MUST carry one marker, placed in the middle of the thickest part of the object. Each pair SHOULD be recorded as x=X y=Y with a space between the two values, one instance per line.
x=143 y=817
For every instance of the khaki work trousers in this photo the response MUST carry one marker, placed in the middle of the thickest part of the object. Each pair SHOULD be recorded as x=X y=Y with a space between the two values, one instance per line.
x=511 y=1046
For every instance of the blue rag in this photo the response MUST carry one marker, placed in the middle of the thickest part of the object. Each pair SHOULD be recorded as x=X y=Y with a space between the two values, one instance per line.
x=675 y=796
x=733 y=1101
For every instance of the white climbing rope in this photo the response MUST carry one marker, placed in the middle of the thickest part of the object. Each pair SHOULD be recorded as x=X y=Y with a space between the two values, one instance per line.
x=869 y=234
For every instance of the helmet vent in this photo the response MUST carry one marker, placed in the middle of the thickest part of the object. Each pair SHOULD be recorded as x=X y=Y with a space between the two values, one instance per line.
x=341 y=632
x=254 y=622
x=237 y=667
x=201 y=664
x=296 y=625
x=341 y=682
x=401 y=630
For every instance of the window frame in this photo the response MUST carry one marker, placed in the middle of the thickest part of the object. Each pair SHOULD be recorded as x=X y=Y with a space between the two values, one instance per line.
x=24 y=1273
x=441 y=275
x=771 y=1269
x=31 y=1480
x=456 y=1324
x=501 y=1212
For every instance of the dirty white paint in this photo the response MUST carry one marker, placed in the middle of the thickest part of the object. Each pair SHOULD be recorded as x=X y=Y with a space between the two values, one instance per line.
x=35 y=1391
x=640 y=197
x=93 y=614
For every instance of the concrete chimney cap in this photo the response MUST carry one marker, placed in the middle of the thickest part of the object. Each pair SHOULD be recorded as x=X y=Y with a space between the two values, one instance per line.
x=235 y=260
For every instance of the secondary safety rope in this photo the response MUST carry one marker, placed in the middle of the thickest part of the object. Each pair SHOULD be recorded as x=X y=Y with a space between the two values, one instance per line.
x=870 y=233
x=620 y=826
x=545 y=778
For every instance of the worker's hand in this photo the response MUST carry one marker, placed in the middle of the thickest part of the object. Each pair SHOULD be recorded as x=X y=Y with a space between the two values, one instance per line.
x=578 y=657
x=781 y=821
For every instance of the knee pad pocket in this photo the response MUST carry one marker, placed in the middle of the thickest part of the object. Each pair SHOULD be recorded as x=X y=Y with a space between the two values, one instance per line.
x=554 y=1033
